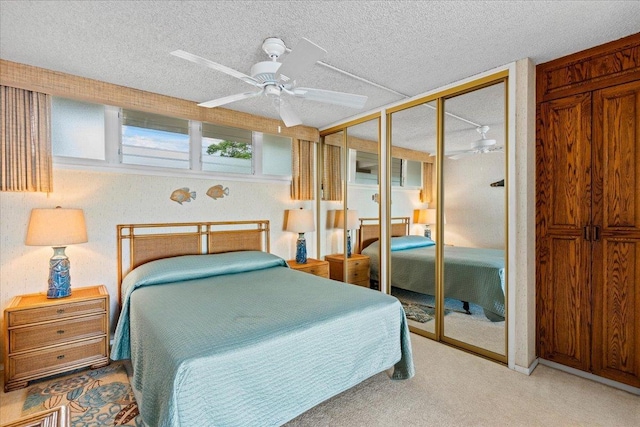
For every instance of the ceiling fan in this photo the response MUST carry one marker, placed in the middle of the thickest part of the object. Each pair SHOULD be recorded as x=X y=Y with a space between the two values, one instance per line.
x=276 y=79
x=480 y=146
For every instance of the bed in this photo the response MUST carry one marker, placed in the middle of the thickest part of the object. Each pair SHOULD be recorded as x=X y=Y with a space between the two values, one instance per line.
x=471 y=275
x=221 y=332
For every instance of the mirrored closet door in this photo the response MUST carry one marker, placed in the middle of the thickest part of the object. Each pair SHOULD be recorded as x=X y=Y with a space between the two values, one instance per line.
x=473 y=220
x=412 y=264
x=350 y=216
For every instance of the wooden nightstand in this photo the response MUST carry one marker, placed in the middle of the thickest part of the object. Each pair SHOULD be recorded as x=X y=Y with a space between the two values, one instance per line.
x=44 y=337
x=313 y=266
x=357 y=268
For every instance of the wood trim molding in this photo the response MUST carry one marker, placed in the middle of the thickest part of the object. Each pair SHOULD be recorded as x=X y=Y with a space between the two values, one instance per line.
x=80 y=88
x=369 y=146
x=609 y=64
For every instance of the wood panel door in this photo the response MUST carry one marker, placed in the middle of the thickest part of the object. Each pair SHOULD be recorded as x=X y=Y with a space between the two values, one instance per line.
x=616 y=237
x=563 y=215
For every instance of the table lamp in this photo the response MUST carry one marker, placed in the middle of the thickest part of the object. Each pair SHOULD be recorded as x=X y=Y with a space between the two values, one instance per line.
x=57 y=228
x=300 y=221
x=426 y=217
x=352 y=222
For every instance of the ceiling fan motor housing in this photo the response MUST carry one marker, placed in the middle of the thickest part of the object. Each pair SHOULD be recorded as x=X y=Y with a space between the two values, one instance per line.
x=265 y=71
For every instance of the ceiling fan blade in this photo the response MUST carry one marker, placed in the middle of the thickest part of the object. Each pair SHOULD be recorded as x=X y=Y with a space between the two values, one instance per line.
x=301 y=58
x=219 y=67
x=331 y=97
x=288 y=116
x=461 y=155
x=229 y=99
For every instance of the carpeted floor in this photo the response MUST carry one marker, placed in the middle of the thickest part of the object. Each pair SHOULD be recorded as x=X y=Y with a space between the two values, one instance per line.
x=100 y=397
x=473 y=328
x=451 y=388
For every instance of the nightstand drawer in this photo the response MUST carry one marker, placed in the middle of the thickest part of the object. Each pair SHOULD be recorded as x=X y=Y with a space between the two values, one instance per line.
x=358 y=271
x=317 y=269
x=52 y=333
x=55 y=312
x=35 y=363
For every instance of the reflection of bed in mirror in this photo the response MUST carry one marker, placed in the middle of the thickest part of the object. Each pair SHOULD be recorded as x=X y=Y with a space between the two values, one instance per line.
x=471 y=275
x=221 y=332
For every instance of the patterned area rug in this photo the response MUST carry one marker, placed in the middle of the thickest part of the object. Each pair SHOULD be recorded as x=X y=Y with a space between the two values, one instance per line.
x=100 y=397
x=418 y=312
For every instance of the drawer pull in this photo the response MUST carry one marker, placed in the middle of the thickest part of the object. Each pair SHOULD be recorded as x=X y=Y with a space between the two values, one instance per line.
x=312 y=271
x=60 y=310
x=60 y=331
x=60 y=357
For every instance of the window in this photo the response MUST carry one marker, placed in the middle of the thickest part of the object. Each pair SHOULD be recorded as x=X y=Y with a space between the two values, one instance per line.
x=77 y=129
x=91 y=135
x=414 y=173
x=226 y=149
x=404 y=173
x=276 y=154
x=154 y=140
x=366 y=168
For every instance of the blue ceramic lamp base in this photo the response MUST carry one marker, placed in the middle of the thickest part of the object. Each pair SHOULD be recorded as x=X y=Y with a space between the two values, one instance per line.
x=59 y=278
x=301 y=249
x=427 y=232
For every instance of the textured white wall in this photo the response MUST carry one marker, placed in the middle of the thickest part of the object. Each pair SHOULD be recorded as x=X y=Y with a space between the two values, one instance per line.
x=474 y=211
x=109 y=199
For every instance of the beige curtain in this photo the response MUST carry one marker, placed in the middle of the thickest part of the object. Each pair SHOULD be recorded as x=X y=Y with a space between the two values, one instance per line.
x=332 y=173
x=302 y=170
x=25 y=144
x=426 y=193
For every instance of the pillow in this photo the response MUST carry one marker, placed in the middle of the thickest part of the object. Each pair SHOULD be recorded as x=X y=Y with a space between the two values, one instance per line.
x=409 y=242
x=188 y=267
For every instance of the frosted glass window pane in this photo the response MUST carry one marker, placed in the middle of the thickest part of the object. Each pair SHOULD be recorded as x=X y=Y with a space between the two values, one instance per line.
x=276 y=155
x=77 y=129
x=414 y=173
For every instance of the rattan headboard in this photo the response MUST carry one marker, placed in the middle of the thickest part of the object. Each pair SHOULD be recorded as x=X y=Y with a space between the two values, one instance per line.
x=148 y=242
x=369 y=230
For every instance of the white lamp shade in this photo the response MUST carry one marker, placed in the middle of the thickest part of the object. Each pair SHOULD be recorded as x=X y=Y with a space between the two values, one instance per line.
x=352 y=219
x=56 y=227
x=424 y=216
x=300 y=221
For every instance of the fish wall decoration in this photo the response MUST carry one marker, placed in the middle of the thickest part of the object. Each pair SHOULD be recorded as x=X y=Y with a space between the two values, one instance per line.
x=182 y=195
x=218 y=192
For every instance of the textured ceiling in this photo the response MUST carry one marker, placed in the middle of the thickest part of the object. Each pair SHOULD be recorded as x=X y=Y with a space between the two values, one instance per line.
x=409 y=47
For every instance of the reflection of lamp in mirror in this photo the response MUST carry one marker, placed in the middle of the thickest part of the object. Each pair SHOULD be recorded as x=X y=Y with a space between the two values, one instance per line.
x=57 y=228
x=426 y=217
x=300 y=221
x=352 y=222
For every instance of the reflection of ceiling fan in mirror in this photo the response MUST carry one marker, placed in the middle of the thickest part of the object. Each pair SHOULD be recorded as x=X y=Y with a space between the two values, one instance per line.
x=480 y=146
x=275 y=79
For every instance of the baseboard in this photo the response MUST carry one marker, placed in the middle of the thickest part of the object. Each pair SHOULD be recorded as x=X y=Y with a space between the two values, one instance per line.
x=589 y=376
x=526 y=371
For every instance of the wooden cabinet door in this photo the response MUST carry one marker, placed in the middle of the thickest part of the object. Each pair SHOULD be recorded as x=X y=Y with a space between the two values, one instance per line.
x=563 y=212
x=616 y=248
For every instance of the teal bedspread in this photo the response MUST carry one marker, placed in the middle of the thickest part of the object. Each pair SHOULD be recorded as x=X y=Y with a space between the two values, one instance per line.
x=240 y=339
x=470 y=274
